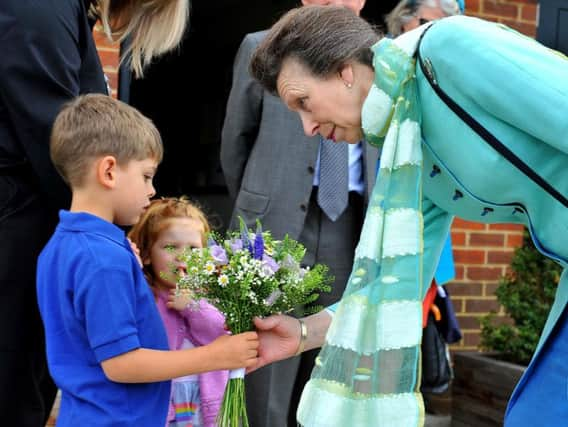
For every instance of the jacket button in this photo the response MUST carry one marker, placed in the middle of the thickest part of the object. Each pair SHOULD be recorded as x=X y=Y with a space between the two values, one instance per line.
x=435 y=171
x=457 y=195
x=311 y=170
x=303 y=207
x=486 y=211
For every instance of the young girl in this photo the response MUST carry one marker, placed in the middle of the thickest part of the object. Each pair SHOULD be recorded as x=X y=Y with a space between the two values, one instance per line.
x=168 y=226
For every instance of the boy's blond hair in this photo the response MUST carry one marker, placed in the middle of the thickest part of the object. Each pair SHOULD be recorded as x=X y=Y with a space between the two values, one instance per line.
x=157 y=218
x=94 y=125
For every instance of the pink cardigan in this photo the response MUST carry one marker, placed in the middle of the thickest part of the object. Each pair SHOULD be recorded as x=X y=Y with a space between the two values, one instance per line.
x=200 y=326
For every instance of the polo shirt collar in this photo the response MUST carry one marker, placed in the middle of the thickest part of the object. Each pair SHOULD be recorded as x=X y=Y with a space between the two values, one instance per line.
x=86 y=222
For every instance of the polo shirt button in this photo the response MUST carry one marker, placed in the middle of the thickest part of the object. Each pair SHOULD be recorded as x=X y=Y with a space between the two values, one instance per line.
x=311 y=170
x=303 y=207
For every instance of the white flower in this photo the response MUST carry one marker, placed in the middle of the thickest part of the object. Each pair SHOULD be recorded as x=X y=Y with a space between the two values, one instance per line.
x=223 y=280
x=209 y=268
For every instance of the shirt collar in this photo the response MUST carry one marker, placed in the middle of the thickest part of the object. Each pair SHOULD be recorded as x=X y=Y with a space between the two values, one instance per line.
x=86 y=222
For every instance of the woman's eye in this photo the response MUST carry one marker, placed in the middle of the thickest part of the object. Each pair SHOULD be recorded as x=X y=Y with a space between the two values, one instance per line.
x=148 y=177
x=169 y=247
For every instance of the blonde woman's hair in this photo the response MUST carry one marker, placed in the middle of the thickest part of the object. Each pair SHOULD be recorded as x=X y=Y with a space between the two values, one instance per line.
x=154 y=27
x=157 y=218
x=95 y=125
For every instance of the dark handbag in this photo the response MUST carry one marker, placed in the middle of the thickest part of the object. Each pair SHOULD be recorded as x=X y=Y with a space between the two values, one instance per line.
x=436 y=369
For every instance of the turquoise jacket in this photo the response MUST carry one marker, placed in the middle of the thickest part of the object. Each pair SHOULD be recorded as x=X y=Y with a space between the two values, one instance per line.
x=518 y=90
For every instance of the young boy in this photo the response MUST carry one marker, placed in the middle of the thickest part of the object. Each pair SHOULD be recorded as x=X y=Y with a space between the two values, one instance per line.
x=106 y=345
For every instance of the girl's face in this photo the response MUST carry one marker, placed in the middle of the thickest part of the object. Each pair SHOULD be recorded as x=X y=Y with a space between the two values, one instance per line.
x=179 y=234
x=330 y=106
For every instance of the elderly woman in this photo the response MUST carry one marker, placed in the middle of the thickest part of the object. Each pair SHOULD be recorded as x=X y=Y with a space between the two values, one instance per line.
x=471 y=117
x=409 y=14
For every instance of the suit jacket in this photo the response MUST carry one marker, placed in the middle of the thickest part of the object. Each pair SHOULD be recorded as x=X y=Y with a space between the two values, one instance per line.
x=267 y=159
x=518 y=90
x=48 y=58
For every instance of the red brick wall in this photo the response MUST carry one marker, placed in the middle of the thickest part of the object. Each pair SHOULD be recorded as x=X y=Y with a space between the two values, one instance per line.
x=482 y=252
x=108 y=52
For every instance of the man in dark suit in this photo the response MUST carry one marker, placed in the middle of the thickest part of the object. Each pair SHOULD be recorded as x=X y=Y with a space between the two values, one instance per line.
x=277 y=174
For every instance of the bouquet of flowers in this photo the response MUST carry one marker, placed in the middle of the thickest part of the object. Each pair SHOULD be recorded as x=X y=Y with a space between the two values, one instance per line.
x=244 y=275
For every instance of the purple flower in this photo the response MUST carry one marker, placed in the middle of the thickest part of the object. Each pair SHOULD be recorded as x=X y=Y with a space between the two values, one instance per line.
x=236 y=245
x=269 y=262
x=258 y=245
x=219 y=255
x=272 y=298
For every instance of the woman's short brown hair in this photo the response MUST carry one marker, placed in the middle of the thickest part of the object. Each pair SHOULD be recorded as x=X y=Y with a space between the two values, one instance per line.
x=321 y=38
x=96 y=125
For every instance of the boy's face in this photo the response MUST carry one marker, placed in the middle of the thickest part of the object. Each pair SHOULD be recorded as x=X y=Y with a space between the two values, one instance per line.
x=134 y=189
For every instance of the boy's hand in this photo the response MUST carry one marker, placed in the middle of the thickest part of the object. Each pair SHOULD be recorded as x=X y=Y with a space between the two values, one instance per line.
x=236 y=351
x=178 y=300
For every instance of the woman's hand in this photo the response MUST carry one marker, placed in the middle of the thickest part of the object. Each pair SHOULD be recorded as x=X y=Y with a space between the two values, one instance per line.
x=178 y=300
x=279 y=336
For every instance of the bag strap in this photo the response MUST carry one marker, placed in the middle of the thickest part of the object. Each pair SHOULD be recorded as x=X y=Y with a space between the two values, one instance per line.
x=427 y=69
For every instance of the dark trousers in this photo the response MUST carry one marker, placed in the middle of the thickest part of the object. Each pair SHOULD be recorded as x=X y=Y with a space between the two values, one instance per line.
x=27 y=391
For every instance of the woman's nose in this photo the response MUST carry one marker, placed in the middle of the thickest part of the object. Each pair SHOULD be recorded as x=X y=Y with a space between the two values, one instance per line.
x=311 y=127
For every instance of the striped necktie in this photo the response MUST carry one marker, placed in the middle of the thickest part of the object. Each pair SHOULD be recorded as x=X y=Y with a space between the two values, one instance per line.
x=334 y=178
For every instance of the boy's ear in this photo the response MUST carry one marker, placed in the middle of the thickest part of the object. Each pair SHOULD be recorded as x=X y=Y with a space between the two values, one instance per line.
x=106 y=171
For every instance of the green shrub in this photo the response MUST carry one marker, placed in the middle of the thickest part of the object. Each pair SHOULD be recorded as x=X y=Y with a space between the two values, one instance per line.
x=526 y=294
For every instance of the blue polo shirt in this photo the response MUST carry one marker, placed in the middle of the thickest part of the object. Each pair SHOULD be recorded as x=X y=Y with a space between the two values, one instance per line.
x=95 y=305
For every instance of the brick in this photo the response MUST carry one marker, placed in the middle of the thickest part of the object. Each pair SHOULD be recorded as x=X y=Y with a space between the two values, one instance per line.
x=108 y=58
x=471 y=339
x=529 y=12
x=481 y=305
x=469 y=256
x=507 y=227
x=498 y=8
x=458 y=305
x=514 y=240
x=472 y=6
x=460 y=272
x=468 y=225
x=499 y=257
x=486 y=239
x=457 y=289
x=467 y=321
x=458 y=238
x=490 y=288
x=526 y=29
x=484 y=273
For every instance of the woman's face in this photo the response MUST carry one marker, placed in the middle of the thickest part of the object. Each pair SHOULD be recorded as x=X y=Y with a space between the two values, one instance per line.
x=330 y=107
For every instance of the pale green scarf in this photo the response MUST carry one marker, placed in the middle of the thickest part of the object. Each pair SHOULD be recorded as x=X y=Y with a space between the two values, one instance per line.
x=367 y=373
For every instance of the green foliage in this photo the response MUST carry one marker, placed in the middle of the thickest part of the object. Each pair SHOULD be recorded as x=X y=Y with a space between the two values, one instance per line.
x=526 y=294
x=245 y=274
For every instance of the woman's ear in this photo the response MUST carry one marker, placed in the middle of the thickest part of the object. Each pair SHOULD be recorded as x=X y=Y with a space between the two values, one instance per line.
x=106 y=171
x=347 y=75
